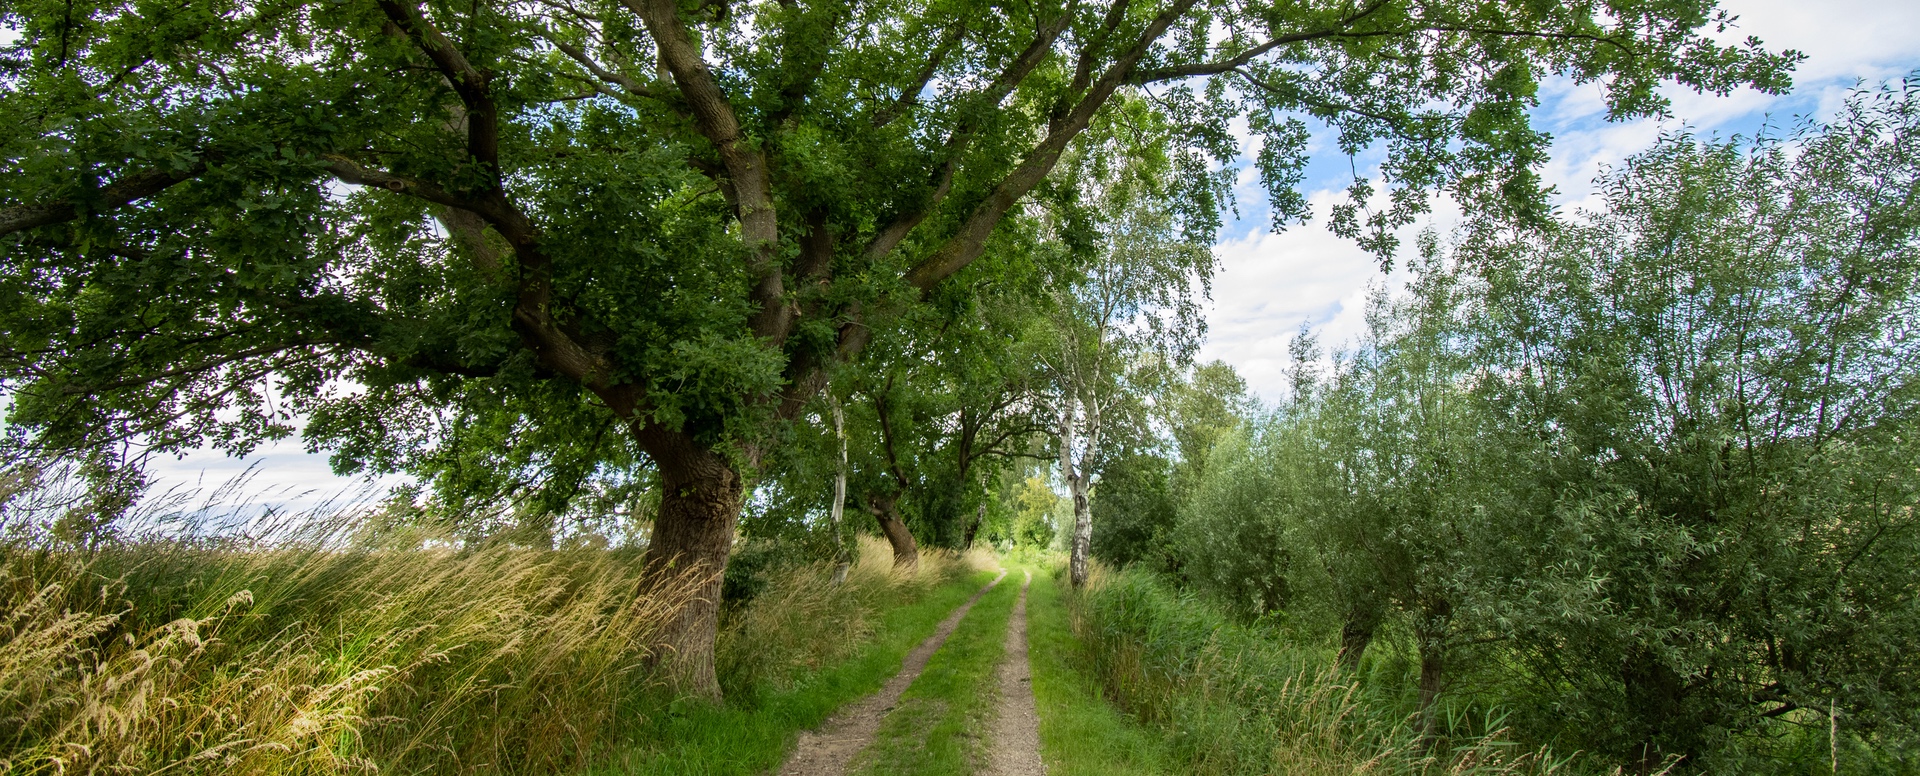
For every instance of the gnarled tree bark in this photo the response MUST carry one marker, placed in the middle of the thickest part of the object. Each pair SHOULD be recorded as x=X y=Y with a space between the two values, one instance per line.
x=906 y=552
x=692 y=536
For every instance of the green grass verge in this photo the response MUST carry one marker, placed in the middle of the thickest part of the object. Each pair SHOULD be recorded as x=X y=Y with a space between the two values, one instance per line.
x=1080 y=733
x=940 y=727
x=751 y=738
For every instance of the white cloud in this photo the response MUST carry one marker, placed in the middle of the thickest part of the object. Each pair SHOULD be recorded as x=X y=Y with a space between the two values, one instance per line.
x=1871 y=39
x=281 y=474
x=1270 y=284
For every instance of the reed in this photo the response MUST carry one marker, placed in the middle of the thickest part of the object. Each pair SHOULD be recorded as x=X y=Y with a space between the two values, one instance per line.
x=1232 y=699
x=303 y=648
x=801 y=621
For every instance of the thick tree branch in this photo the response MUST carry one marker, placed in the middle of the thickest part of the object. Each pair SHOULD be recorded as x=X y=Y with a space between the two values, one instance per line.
x=891 y=236
x=470 y=230
x=350 y=171
x=966 y=245
x=984 y=104
x=626 y=82
x=817 y=248
x=121 y=193
x=554 y=346
x=471 y=83
x=812 y=272
x=746 y=165
x=1083 y=70
x=886 y=434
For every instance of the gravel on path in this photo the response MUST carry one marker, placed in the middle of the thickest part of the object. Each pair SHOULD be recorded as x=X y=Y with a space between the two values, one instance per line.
x=826 y=751
x=1016 y=729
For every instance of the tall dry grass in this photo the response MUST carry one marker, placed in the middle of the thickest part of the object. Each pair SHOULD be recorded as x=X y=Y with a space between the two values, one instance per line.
x=1232 y=700
x=304 y=651
x=800 y=621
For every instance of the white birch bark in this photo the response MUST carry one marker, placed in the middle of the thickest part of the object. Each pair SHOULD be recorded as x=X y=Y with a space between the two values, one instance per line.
x=840 y=555
x=1079 y=434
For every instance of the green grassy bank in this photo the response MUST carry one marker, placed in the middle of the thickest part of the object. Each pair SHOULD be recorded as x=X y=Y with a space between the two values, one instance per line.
x=756 y=730
x=1080 y=733
x=941 y=725
x=1225 y=699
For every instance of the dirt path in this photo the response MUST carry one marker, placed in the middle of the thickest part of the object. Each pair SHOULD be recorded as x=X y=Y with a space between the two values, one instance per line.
x=1016 y=728
x=827 y=750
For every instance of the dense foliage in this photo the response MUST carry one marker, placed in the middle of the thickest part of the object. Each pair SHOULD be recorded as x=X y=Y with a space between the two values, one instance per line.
x=520 y=246
x=1642 y=477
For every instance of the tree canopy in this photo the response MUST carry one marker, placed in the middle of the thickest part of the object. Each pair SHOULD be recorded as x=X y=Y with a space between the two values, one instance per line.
x=551 y=241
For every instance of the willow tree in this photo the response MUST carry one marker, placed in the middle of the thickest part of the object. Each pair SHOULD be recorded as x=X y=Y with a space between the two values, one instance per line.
x=581 y=230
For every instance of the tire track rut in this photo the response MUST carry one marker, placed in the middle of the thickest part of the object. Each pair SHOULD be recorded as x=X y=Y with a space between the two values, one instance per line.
x=1015 y=747
x=827 y=750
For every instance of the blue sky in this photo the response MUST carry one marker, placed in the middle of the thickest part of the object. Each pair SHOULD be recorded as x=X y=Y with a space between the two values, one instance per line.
x=1270 y=285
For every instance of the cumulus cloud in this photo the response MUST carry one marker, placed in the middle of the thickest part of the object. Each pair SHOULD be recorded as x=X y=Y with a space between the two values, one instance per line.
x=1269 y=285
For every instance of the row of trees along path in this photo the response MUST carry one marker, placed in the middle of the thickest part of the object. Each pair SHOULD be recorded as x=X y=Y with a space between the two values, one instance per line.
x=514 y=247
x=1014 y=749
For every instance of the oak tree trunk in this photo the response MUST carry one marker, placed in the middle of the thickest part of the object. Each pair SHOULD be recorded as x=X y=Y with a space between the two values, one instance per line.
x=906 y=553
x=692 y=535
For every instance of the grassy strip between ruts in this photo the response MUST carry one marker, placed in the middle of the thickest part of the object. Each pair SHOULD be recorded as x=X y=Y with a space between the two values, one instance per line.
x=1080 y=733
x=756 y=736
x=941 y=725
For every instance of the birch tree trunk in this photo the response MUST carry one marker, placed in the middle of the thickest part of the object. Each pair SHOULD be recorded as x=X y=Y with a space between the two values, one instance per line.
x=842 y=559
x=1082 y=530
x=1074 y=458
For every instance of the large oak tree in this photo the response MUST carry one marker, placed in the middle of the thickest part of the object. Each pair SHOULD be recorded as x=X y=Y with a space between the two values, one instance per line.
x=595 y=231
